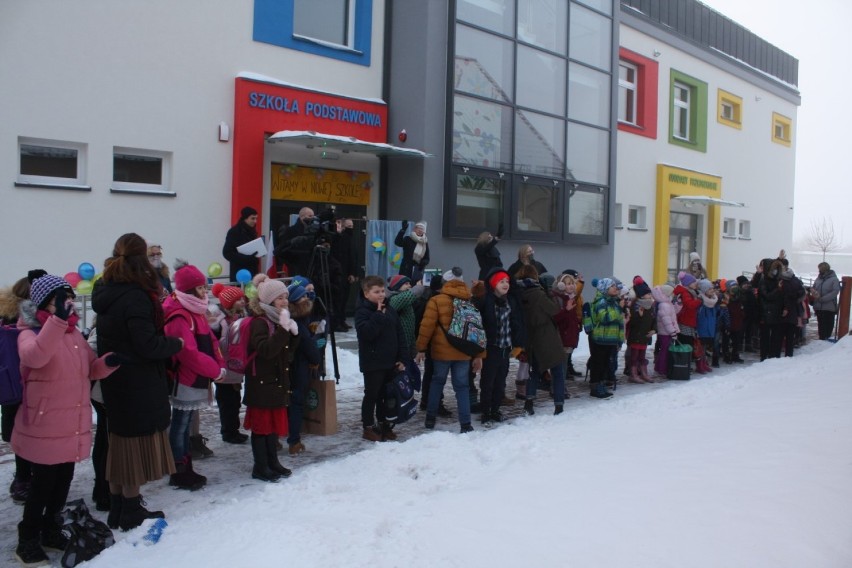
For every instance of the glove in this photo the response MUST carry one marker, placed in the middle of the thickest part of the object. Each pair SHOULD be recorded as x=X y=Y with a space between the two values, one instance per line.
x=321 y=343
x=62 y=310
x=288 y=323
x=500 y=231
x=404 y=224
x=115 y=359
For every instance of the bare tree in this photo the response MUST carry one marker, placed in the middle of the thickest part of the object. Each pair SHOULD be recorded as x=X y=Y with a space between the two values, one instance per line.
x=823 y=238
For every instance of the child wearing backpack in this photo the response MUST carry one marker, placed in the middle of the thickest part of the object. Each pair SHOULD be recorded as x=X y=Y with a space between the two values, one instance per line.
x=447 y=359
x=53 y=428
x=195 y=367
x=232 y=302
x=381 y=354
x=273 y=339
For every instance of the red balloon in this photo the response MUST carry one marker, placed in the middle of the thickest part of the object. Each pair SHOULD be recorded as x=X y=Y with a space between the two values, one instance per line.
x=72 y=278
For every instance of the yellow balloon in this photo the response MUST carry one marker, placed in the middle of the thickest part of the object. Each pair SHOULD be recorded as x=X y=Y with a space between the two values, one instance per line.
x=250 y=291
x=84 y=288
x=214 y=270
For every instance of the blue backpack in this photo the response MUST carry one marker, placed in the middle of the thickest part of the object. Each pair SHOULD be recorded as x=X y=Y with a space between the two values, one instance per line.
x=11 y=385
x=400 y=404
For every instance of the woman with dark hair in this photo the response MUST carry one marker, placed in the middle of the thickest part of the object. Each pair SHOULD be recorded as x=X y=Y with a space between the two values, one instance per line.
x=155 y=257
x=130 y=321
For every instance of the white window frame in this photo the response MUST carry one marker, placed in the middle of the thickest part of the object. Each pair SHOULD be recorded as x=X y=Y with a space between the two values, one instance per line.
x=744 y=229
x=630 y=90
x=782 y=131
x=641 y=217
x=350 y=29
x=78 y=182
x=619 y=220
x=728 y=111
x=729 y=227
x=134 y=187
x=681 y=107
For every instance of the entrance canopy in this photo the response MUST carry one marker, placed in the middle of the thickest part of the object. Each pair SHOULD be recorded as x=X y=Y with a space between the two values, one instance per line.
x=344 y=144
x=705 y=200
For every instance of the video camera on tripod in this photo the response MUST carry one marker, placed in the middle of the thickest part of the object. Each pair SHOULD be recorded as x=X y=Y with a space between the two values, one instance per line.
x=322 y=228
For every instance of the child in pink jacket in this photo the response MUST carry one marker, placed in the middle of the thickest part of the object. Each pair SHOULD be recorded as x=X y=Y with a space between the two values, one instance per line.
x=53 y=428
x=667 y=326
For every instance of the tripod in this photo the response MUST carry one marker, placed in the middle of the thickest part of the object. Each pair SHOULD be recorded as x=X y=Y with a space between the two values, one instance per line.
x=320 y=256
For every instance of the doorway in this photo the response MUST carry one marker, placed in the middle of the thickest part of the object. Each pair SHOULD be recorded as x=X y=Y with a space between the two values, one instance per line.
x=683 y=239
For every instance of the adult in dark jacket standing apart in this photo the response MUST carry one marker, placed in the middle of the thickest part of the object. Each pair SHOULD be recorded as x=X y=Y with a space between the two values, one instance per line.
x=792 y=311
x=415 y=250
x=293 y=248
x=824 y=299
x=342 y=250
x=504 y=328
x=526 y=257
x=771 y=297
x=486 y=252
x=130 y=321
x=243 y=232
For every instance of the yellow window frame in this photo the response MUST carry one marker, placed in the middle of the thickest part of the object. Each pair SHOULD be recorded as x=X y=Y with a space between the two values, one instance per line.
x=786 y=127
x=737 y=104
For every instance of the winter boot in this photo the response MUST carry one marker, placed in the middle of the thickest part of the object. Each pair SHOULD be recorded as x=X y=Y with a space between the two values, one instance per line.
x=115 y=501
x=294 y=449
x=100 y=495
x=29 y=551
x=19 y=490
x=133 y=512
x=643 y=372
x=388 y=434
x=53 y=539
x=528 y=407
x=466 y=428
x=572 y=372
x=633 y=377
x=557 y=410
x=272 y=457
x=497 y=416
x=430 y=422
x=598 y=390
x=184 y=477
x=261 y=469
x=199 y=448
x=372 y=434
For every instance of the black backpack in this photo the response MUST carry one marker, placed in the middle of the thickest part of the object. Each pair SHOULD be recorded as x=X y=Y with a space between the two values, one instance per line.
x=88 y=536
x=400 y=404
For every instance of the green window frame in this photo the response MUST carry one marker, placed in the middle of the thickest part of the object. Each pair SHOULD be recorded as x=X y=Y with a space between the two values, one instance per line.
x=697 y=139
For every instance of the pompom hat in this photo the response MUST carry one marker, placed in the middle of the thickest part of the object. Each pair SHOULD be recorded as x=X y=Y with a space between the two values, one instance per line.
x=397 y=282
x=228 y=295
x=685 y=278
x=604 y=284
x=454 y=274
x=188 y=277
x=640 y=288
x=268 y=289
x=43 y=288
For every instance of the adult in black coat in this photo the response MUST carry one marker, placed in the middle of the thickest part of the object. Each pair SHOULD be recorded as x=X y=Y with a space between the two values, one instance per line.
x=294 y=246
x=771 y=297
x=486 y=252
x=130 y=322
x=526 y=256
x=415 y=250
x=243 y=232
x=342 y=250
x=793 y=295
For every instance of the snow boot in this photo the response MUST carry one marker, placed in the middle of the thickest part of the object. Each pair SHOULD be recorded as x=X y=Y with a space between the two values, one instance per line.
x=430 y=422
x=184 y=477
x=272 y=456
x=199 y=447
x=598 y=390
x=466 y=428
x=372 y=434
x=557 y=410
x=388 y=434
x=572 y=372
x=114 y=514
x=261 y=469
x=133 y=512
x=19 y=491
x=29 y=552
x=528 y=407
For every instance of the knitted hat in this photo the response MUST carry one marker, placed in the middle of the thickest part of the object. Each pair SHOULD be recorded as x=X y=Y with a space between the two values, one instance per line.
x=227 y=295
x=730 y=284
x=268 y=289
x=685 y=278
x=297 y=292
x=302 y=281
x=639 y=287
x=742 y=280
x=667 y=290
x=571 y=271
x=396 y=282
x=436 y=283
x=247 y=212
x=693 y=257
x=495 y=278
x=421 y=224
x=188 y=277
x=454 y=274
x=704 y=285
x=43 y=288
x=603 y=284
x=546 y=280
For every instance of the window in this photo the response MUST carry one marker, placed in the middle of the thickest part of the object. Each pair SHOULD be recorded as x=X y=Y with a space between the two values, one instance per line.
x=729 y=227
x=537 y=210
x=627 y=86
x=637 y=94
x=730 y=109
x=619 y=224
x=140 y=171
x=636 y=215
x=479 y=200
x=688 y=112
x=782 y=129
x=51 y=163
x=339 y=29
x=587 y=207
x=744 y=230
x=682 y=96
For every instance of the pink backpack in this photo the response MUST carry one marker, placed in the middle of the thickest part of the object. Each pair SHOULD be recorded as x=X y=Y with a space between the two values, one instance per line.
x=235 y=344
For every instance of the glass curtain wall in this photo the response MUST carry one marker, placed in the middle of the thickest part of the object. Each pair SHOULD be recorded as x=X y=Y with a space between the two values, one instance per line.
x=532 y=118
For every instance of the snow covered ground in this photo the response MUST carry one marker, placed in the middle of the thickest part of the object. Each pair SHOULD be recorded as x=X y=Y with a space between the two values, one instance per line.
x=750 y=466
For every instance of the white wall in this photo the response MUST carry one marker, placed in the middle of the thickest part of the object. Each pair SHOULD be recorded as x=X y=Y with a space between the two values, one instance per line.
x=155 y=75
x=754 y=170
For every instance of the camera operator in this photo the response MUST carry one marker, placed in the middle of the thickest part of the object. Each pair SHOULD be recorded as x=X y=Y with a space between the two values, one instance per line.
x=293 y=249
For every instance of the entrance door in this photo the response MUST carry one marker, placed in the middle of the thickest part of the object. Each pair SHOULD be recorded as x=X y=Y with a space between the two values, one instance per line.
x=683 y=239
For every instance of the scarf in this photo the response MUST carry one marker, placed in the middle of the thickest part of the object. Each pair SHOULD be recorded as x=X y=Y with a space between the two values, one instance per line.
x=192 y=303
x=272 y=314
x=43 y=315
x=420 y=247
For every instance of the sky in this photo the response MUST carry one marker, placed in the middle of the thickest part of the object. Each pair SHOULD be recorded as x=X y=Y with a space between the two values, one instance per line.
x=811 y=32
x=747 y=466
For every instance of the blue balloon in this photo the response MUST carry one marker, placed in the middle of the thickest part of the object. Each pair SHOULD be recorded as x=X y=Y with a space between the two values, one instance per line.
x=86 y=271
x=243 y=276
